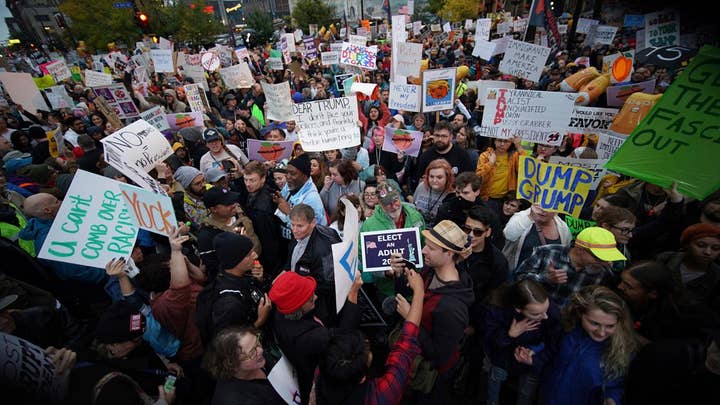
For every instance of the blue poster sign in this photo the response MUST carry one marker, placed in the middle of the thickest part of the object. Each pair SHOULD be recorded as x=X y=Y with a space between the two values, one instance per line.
x=378 y=246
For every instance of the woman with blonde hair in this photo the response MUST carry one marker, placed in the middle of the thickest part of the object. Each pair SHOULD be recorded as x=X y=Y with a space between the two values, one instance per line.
x=594 y=353
x=436 y=185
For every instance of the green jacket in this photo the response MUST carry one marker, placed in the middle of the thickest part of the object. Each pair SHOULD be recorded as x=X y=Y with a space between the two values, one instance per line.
x=380 y=221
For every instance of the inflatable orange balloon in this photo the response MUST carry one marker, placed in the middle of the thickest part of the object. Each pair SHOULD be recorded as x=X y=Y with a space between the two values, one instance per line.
x=591 y=91
x=461 y=72
x=576 y=81
x=636 y=107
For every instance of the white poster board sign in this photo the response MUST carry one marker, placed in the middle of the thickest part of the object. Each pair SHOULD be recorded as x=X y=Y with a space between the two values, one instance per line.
x=524 y=60
x=594 y=166
x=405 y=97
x=283 y=379
x=482 y=29
x=345 y=254
x=485 y=85
x=97 y=79
x=330 y=58
x=328 y=124
x=662 y=28
x=591 y=119
x=162 y=60
x=279 y=101
x=409 y=56
x=59 y=70
x=150 y=211
x=156 y=117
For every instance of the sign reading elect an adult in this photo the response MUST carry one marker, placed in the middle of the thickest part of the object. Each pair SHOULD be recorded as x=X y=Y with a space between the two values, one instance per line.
x=378 y=246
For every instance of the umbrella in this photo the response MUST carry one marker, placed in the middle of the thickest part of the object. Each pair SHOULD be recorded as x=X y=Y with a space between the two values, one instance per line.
x=669 y=57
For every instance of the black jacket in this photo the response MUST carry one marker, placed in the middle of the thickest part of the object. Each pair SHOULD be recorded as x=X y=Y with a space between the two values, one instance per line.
x=261 y=210
x=317 y=261
x=488 y=270
x=305 y=340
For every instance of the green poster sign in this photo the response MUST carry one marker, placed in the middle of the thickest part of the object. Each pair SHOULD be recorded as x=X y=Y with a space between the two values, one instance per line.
x=679 y=140
x=576 y=225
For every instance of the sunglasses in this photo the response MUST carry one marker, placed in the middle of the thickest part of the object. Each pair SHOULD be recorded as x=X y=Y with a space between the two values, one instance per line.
x=475 y=231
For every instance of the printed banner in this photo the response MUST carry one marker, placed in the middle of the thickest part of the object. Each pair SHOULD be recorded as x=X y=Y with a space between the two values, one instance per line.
x=162 y=60
x=330 y=58
x=264 y=151
x=184 y=120
x=279 y=101
x=616 y=95
x=135 y=150
x=438 y=89
x=662 y=28
x=345 y=254
x=405 y=97
x=92 y=226
x=590 y=119
x=310 y=49
x=524 y=60
x=536 y=116
x=328 y=124
x=150 y=211
x=678 y=141
x=119 y=100
x=554 y=187
x=377 y=246
x=97 y=79
x=156 y=117
x=401 y=140
x=360 y=56
x=594 y=166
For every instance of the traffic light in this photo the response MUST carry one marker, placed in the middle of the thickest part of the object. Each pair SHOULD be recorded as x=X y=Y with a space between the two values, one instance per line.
x=143 y=21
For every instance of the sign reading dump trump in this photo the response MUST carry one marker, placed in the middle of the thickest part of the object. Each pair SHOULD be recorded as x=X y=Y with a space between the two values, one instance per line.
x=556 y=188
x=378 y=246
x=328 y=124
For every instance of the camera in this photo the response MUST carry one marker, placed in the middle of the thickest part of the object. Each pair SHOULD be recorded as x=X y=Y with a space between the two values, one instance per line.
x=256 y=296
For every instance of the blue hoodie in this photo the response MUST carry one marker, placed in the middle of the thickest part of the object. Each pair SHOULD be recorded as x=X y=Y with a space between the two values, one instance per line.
x=576 y=376
x=37 y=229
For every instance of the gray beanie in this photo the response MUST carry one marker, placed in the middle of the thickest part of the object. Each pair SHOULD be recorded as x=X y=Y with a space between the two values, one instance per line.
x=190 y=134
x=185 y=175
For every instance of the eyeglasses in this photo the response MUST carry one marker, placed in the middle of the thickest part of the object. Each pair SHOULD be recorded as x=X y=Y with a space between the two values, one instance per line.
x=475 y=231
x=624 y=231
x=253 y=353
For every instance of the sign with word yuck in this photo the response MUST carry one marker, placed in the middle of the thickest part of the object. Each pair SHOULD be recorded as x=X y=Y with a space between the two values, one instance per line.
x=535 y=116
x=377 y=246
x=328 y=124
x=524 y=60
x=149 y=211
x=92 y=226
x=556 y=188
x=679 y=140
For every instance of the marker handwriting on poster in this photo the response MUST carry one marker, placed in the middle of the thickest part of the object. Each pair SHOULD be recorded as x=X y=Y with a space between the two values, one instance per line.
x=554 y=187
x=327 y=124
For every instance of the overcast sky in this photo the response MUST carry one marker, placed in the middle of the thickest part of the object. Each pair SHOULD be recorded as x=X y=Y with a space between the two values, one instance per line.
x=4 y=12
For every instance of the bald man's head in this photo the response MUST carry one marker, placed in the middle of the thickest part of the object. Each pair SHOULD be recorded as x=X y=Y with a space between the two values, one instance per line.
x=41 y=205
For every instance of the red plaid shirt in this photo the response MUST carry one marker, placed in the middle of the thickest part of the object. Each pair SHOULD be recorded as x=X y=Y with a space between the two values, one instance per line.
x=389 y=388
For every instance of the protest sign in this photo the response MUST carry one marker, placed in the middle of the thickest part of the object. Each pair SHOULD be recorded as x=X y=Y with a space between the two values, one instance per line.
x=330 y=58
x=241 y=53
x=196 y=98
x=119 y=100
x=520 y=24
x=554 y=187
x=409 y=56
x=634 y=20
x=108 y=111
x=678 y=141
x=58 y=97
x=365 y=88
x=275 y=60
x=150 y=211
x=358 y=40
x=165 y=44
x=378 y=246
x=482 y=29
x=584 y=24
x=619 y=65
x=328 y=124
x=485 y=85
x=501 y=45
x=43 y=82
x=135 y=150
x=345 y=254
x=340 y=79
x=594 y=166
x=402 y=140
x=237 y=76
x=484 y=49
x=576 y=225
x=283 y=379
x=361 y=56
x=264 y=151
x=92 y=226
x=603 y=34
x=616 y=95
x=503 y=27
x=298 y=35
x=96 y=79
x=562 y=29
x=662 y=28
x=405 y=97
x=336 y=46
x=184 y=120
x=162 y=60
x=438 y=89
x=590 y=119
x=417 y=26
x=279 y=101
x=310 y=49
x=524 y=60
x=156 y=117
x=290 y=38
x=536 y=116
x=31 y=368
x=468 y=24
x=608 y=144
x=59 y=70
x=210 y=61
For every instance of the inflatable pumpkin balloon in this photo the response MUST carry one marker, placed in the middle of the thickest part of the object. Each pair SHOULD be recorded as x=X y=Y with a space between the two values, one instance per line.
x=591 y=91
x=461 y=72
x=636 y=107
x=576 y=81
x=423 y=67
